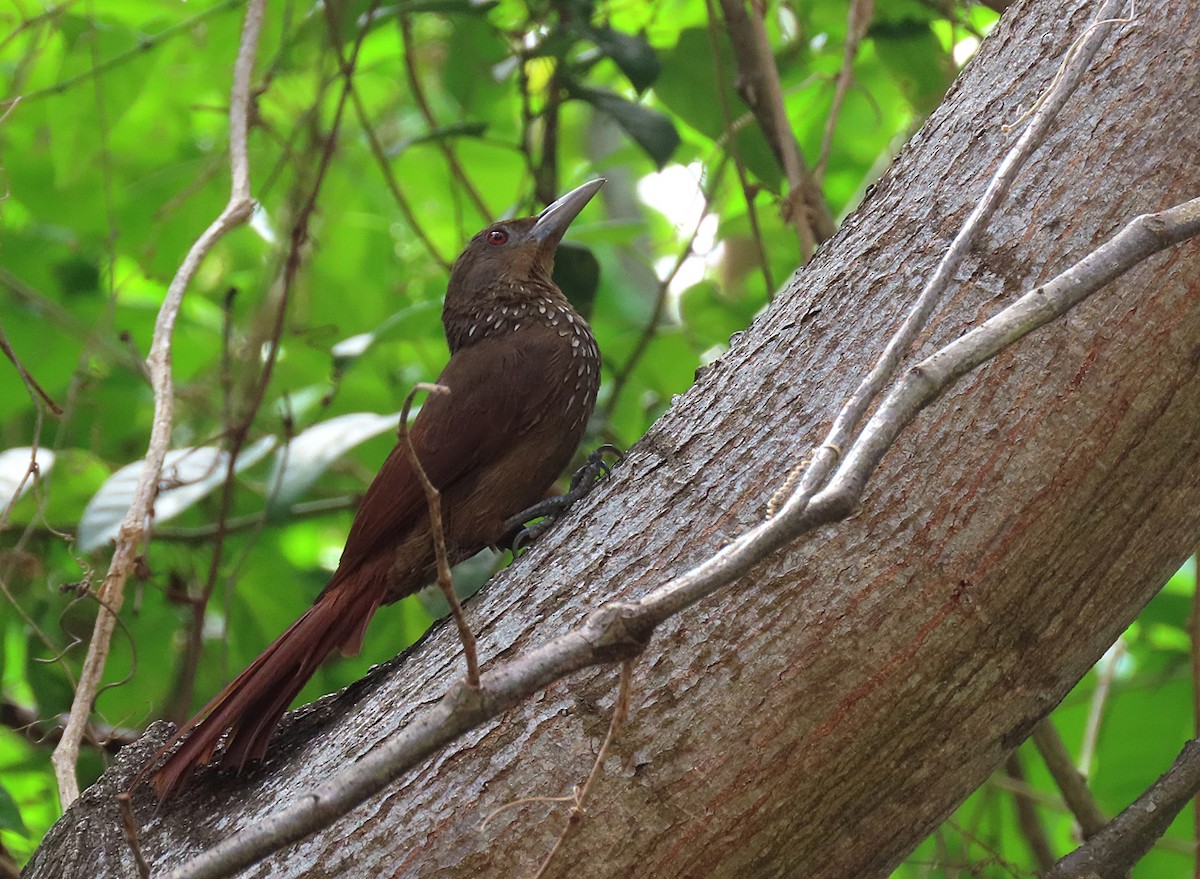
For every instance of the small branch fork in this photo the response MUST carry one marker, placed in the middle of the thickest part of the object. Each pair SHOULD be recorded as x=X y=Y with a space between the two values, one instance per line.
x=158 y=363
x=618 y=631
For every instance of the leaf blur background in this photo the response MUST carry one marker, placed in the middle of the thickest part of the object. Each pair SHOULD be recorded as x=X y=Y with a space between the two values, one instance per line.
x=116 y=157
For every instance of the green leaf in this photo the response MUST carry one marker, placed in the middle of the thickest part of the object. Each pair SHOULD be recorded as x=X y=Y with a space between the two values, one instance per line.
x=633 y=54
x=577 y=273
x=654 y=132
x=913 y=54
x=10 y=815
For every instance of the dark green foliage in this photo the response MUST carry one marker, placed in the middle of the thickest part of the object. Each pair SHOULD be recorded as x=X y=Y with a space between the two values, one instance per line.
x=116 y=159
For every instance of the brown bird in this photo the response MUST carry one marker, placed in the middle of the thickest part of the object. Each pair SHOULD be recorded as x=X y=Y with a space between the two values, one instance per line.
x=523 y=375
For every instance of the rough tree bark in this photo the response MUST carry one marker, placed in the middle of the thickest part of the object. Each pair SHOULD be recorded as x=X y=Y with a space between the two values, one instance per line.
x=822 y=716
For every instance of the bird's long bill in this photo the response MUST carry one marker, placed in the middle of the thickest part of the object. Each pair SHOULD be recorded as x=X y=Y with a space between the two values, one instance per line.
x=554 y=220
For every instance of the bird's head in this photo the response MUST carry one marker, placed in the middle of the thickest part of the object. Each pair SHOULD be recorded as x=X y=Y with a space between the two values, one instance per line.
x=517 y=250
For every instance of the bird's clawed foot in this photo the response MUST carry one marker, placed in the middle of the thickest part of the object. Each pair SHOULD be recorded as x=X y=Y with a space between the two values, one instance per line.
x=550 y=510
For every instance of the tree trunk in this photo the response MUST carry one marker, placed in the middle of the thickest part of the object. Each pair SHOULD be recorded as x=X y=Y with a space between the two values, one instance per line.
x=820 y=717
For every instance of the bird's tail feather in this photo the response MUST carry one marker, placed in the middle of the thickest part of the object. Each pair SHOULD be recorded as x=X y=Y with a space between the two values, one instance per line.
x=253 y=702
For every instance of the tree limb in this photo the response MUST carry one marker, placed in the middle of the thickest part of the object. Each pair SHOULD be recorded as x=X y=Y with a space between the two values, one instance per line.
x=1112 y=852
x=620 y=630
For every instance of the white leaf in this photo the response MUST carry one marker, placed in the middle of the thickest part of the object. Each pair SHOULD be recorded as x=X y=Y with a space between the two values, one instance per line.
x=187 y=476
x=14 y=468
x=311 y=452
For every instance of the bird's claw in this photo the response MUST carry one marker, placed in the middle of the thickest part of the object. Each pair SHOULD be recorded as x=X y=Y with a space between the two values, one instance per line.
x=550 y=510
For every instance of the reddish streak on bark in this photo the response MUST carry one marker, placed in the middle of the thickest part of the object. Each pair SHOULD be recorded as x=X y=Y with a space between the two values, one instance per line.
x=716 y=806
x=899 y=659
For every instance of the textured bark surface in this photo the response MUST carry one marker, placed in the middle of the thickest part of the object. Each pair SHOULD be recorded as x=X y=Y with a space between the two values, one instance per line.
x=820 y=717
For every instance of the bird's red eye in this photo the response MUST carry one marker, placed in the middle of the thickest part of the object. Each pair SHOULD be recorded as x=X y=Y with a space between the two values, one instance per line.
x=497 y=236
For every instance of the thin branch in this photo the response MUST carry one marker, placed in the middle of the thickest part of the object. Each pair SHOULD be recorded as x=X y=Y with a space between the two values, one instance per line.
x=575 y=818
x=857 y=21
x=393 y=185
x=158 y=362
x=1028 y=821
x=1070 y=783
x=35 y=390
x=205 y=533
x=418 y=94
x=758 y=84
x=433 y=499
x=660 y=297
x=144 y=45
x=1106 y=674
x=620 y=630
x=729 y=140
x=1112 y=852
x=28 y=724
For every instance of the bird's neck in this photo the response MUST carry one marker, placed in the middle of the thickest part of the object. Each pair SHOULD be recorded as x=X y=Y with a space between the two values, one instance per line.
x=505 y=306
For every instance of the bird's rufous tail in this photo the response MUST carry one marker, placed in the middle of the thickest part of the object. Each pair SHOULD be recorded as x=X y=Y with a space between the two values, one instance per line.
x=253 y=702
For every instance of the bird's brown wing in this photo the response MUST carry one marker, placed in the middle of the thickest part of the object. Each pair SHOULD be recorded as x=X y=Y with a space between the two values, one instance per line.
x=455 y=435
x=495 y=396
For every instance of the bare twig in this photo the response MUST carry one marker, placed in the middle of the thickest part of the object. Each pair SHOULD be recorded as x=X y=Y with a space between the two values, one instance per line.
x=158 y=362
x=433 y=498
x=143 y=45
x=1027 y=816
x=1070 y=783
x=1112 y=852
x=660 y=296
x=758 y=84
x=620 y=630
x=418 y=94
x=35 y=390
x=857 y=21
x=1106 y=673
x=393 y=185
x=575 y=818
x=729 y=141
x=37 y=730
x=129 y=829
